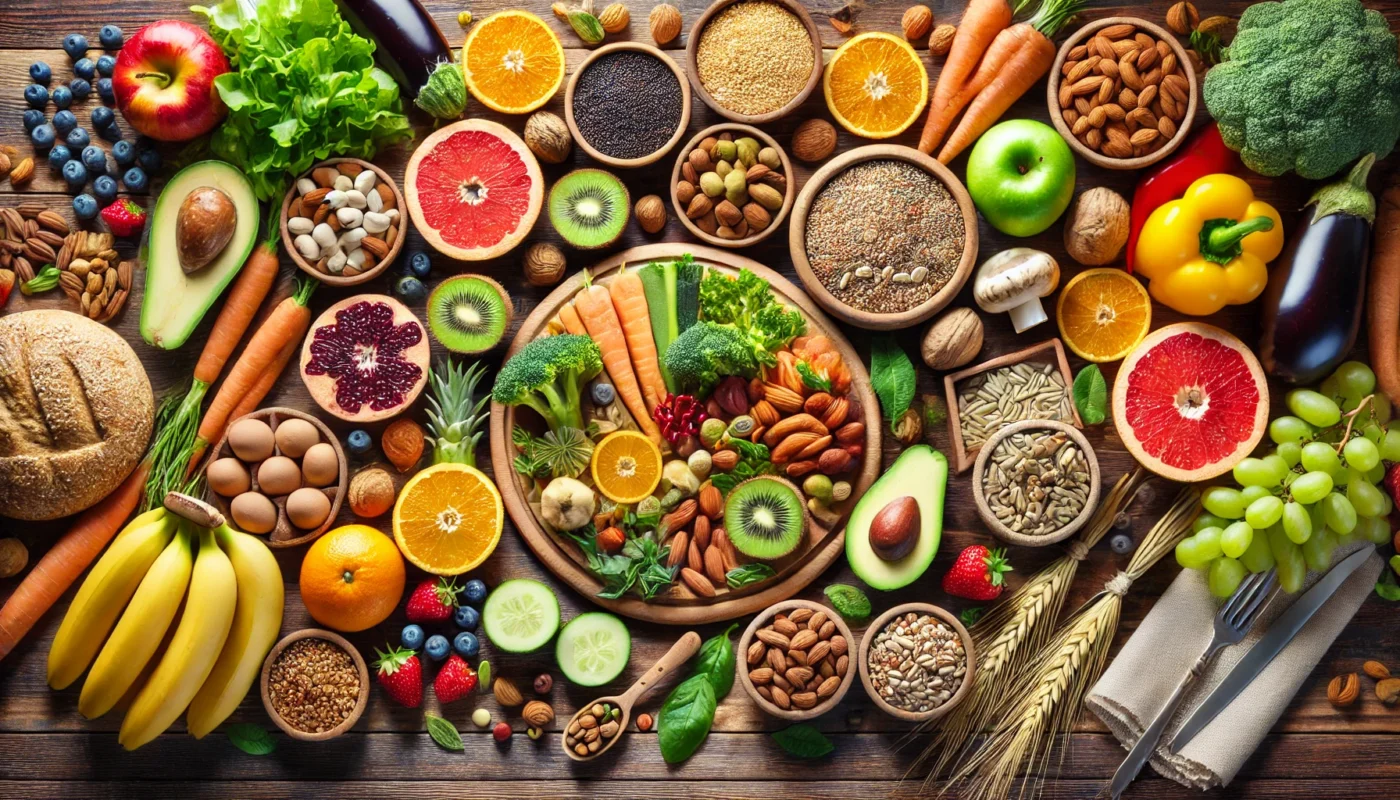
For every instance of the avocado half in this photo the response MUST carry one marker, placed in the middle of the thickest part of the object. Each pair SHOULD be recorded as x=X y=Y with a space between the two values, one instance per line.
x=175 y=302
x=922 y=473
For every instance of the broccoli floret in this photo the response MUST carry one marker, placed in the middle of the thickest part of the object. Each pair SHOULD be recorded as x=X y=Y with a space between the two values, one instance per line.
x=546 y=375
x=706 y=352
x=747 y=303
x=1307 y=86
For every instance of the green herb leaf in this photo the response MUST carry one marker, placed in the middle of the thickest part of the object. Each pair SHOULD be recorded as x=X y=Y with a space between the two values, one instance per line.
x=849 y=601
x=892 y=376
x=483 y=675
x=444 y=733
x=685 y=718
x=251 y=739
x=716 y=659
x=803 y=741
x=745 y=574
x=1090 y=395
x=969 y=616
x=811 y=379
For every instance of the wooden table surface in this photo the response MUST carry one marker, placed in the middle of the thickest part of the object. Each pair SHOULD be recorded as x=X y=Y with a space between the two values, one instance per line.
x=47 y=750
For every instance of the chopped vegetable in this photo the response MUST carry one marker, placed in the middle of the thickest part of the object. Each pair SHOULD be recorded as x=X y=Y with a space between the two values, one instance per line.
x=659 y=285
x=747 y=303
x=701 y=356
x=547 y=375
x=688 y=275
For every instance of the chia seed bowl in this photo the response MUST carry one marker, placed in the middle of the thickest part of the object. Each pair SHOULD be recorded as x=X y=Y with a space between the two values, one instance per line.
x=917 y=662
x=633 y=104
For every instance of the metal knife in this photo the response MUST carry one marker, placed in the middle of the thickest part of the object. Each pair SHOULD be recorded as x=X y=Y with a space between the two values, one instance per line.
x=1279 y=634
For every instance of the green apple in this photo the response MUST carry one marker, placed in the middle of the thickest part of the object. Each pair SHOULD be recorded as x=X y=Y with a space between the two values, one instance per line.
x=1021 y=176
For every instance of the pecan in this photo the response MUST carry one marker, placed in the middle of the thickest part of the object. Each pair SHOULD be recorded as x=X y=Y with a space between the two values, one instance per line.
x=772 y=638
x=720 y=541
x=804 y=700
x=39 y=251
x=803 y=639
x=851 y=433
x=506 y=693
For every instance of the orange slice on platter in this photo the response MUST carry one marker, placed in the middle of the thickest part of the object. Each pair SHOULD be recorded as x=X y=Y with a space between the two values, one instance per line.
x=626 y=467
x=1103 y=314
x=875 y=85
x=512 y=62
x=448 y=519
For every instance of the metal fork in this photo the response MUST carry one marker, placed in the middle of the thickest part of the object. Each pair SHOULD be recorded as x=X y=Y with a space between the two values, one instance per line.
x=1232 y=623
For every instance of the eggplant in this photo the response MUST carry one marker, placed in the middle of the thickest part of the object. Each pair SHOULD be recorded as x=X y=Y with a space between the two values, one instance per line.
x=1312 y=305
x=410 y=44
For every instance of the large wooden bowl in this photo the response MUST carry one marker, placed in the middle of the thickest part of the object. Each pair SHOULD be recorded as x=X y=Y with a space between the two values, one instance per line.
x=379 y=266
x=778 y=216
x=863 y=662
x=339 y=641
x=692 y=65
x=793 y=714
x=797 y=238
x=979 y=496
x=640 y=161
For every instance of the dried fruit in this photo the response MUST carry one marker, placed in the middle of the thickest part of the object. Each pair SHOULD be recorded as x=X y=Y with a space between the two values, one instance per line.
x=371 y=493
x=548 y=137
x=916 y=22
x=544 y=264
x=941 y=40
x=665 y=23
x=813 y=140
x=651 y=213
x=403 y=444
x=1376 y=670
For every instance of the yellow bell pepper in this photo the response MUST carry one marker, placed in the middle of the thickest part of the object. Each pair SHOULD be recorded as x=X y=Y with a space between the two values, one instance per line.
x=1209 y=249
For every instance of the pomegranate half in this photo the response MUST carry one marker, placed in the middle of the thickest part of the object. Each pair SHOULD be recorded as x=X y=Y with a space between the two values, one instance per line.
x=366 y=358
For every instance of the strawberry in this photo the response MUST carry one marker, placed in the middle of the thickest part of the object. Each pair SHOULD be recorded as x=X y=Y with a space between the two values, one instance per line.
x=454 y=681
x=401 y=675
x=433 y=601
x=124 y=217
x=976 y=574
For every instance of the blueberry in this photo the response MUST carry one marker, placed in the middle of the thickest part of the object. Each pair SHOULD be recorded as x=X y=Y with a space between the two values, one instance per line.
x=359 y=442
x=106 y=65
x=1121 y=543
x=80 y=89
x=36 y=96
x=85 y=206
x=104 y=90
x=603 y=394
x=78 y=139
x=466 y=645
x=110 y=36
x=105 y=187
x=135 y=179
x=59 y=156
x=412 y=637
x=102 y=116
x=437 y=647
x=75 y=45
x=149 y=159
x=39 y=72
x=111 y=133
x=410 y=289
x=124 y=152
x=62 y=97
x=84 y=68
x=43 y=136
x=467 y=618
x=474 y=591
x=75 y=174
x=33 y=118
x=419 y=265
x=95 y=159
x=64 y=121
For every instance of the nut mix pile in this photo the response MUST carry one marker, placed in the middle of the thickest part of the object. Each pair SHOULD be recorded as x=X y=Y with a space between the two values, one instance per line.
x=313 y=685
x=593 y=729
x=89 y=271
x=344 y=220
x=731 y=188
x=917 y=662
x=798 y=660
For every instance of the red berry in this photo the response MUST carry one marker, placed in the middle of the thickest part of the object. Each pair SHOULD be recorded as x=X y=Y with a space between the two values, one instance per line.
x=432 y=601
x=501 y=732
x=977 y=574
x=401 y=675
x=454 y=681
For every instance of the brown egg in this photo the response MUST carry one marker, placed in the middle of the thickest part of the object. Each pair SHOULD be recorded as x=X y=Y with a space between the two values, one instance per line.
x=251 y=439
x=307 y=508
x=320 y=465
x=228 y=477
x=278 y=476
x=252 y=512
x=295 y=437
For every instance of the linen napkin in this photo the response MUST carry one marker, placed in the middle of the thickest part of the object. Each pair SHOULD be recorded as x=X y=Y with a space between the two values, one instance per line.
x=1175 y=633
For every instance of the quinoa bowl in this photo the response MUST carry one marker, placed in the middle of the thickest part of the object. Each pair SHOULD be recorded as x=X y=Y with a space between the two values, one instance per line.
x=748 y=61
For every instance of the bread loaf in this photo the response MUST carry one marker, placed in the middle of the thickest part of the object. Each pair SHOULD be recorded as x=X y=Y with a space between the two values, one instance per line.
x=76 y=411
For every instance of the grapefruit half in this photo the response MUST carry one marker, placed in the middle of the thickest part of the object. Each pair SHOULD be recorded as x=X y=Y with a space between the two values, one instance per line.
x=473 y=189
x=1190 y=402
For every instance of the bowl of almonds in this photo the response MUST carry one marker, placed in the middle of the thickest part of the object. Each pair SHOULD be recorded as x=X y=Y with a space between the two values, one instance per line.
x=1123 y=93
x=341 y=221
x=732 y=185
x=797 y=660
x=916 y=662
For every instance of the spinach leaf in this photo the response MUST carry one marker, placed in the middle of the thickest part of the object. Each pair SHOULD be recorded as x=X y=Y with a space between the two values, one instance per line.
x=685 y=718
x=892 y=377
x=849 y=601
x=444 y=733
x=803 y=741
x=1090 y=395
x=745 y=574
x=717 y=661
x=251 y=739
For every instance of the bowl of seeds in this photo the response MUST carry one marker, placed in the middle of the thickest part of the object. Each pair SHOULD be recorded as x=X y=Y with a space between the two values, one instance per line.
x=754 y=61
x=1036 y=482
x=315 y=685
x=796 y=660
x=627 y=104
x=341 y=222
x=732 y=185
x=917 y=662
x=883 y=237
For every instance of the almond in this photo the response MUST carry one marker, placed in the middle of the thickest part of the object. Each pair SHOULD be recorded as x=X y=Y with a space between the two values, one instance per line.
x=819 y=652
x=1376 y=670
x=720 y=541
x=761 y=676
x=680 y=544
x=798 y=423
x=22 y=173
x=772 y=638
x=724 y=461
x=916 y=22
x=798 y=469
x=757 y=652
x=693 y=560
x=803 y=640
x=700 y=532
x=828 y=687
x=697 y=582
x=506 y=693
x=714 y=566
x=839 y=648
x=785 y=626
x=711 y=502
x=816 y=621
x=804 y=700
x=790 y=447
x=681 y=515
x=764 y=413
x=782 y=398
x=375 y=245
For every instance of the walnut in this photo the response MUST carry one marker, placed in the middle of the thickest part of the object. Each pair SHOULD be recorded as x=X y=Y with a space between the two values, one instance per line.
x=548 y=137
x=953 y=339
x=1096 y=227
x=941 y=40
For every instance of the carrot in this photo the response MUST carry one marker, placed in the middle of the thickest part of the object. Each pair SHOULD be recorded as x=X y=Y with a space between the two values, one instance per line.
x=266 y=381
x=67 y=559
x=630 y=301
x=595 y=308
x=249 y=289
x=569 y=316
x=982 y=21
x=1383 y=296
x=1006 y=44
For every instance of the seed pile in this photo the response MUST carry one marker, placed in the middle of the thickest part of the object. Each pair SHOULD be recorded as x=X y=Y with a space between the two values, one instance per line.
x=884 y=236
x=917 y=662
x=1010 y=394
x=627 y=104
x=313 y=685
x=594 y=729
x=754 y=57
x=1037 y=482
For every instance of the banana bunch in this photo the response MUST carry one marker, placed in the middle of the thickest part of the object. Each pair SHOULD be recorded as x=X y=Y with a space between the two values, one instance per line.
x=176 y=617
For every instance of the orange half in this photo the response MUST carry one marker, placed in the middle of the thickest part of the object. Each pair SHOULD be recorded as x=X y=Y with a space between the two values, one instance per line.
x=512 y=62
x=875 y=85
x=626 y=467
x=448 y=519
x=1103 y=314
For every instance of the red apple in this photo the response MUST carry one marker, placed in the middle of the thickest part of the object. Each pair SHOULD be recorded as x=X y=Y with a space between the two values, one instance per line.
x=164 y=81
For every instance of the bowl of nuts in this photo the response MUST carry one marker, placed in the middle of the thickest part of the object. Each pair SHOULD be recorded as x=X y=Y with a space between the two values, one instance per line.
x=796 y=660
x=1123 y=93
x=732 y=185
x=1036 y=482
x=341 y=222
x=917 y=662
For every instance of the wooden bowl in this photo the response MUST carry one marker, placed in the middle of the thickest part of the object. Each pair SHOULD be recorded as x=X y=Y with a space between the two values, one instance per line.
x=778 y=217
x=379 y=266
x=1000 y=530
x=1052 y=92
x=793 y=714
x=641 y=161
x=863 y=657
x=339 y=641
x=797 y=238
x=693 y=67
x=290 y=536
x=1051 y=350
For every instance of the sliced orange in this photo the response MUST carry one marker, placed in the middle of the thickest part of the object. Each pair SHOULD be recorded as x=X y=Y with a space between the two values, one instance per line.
x=448 y=519
x=512 y=62
x=875 y=85
x=1103 y=314
x=626 y=467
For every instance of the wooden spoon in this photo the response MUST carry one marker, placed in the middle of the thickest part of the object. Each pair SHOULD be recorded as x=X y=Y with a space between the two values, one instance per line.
x=679 y=653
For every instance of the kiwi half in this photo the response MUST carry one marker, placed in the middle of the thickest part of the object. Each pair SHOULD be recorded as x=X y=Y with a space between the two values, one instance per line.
x=469 y=313
x=589 y=208
x=765 y=518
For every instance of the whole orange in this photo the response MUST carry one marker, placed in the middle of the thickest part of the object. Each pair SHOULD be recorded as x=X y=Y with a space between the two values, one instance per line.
x=352 y=578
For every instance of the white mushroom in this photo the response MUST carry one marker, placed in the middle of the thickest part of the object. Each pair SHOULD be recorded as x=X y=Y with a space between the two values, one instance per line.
x=1014 y=281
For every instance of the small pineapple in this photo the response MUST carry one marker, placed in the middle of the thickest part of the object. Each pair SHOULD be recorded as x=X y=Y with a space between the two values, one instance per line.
x=456 y=413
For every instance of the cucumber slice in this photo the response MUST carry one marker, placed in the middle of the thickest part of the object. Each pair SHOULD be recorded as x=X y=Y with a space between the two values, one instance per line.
x=593 y=649
x=520 y=616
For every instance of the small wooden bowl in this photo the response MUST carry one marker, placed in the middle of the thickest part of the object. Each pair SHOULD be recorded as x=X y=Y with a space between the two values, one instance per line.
x=640 y=161
x=1052 y=92
x=1049 y=350
x=864 y=662
x=797 y=238
x=692 y=47
x=337 y=640
x=379 y=266
x=793 y=714
x=336 y=492
x=1000 y=530
x=778 y=217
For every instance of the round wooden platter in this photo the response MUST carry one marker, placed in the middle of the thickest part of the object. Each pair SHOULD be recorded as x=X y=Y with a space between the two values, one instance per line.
x=679 y=606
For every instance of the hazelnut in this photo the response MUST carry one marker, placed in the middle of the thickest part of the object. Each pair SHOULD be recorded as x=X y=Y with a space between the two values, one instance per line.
x=665 y=23
x=651 y=213
x=543 y=683
x=813 y=140
x=544 y=264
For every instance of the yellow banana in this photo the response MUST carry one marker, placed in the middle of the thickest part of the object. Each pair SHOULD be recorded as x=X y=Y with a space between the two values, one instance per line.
x=256 y=622
x=102 y=597
x=141 y=520
x=141 y=628
x=198 y=639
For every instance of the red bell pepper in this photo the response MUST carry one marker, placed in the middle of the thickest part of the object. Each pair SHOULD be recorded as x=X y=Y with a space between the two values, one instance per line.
x=1205 y=154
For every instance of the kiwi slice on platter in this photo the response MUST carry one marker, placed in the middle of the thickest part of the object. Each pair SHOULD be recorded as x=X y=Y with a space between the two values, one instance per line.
x=589 y=208
x=765 y=518
x=469 y=313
